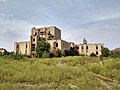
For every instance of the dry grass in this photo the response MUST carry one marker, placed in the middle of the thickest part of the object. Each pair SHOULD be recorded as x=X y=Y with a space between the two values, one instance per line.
x=76 y=74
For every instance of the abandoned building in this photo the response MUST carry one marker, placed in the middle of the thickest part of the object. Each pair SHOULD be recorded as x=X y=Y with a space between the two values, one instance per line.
x=87 y=49
x=53 y=36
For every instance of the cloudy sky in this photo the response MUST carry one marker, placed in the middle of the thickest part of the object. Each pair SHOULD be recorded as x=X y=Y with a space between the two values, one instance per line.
x=96 y=20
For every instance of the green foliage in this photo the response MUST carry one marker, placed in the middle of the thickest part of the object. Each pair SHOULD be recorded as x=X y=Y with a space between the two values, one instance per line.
x=57 y=53
x=45 y=74
x=14 y=56
x=114 y=54
x=95 y=68
x=105 y=52
x=42 y=47
x=45 y=55
x=71 y=52
x=111 y=69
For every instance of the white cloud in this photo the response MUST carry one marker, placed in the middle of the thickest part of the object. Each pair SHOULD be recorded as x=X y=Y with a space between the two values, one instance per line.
x=3 y=1
x=6 y=15
x=94 y=33
x=110 y=16
x=12 y=30
x=45 y=12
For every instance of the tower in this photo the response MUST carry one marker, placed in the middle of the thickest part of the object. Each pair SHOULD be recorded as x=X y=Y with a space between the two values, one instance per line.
x=44 y=33
x=84 y=41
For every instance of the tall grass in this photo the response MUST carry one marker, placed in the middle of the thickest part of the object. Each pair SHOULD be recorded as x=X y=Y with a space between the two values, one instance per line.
x=45 y=74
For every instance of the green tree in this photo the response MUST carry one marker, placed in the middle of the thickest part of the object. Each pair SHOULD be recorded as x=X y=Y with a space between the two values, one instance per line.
x=72 y=52
x=42 y=46
x=105 y=52
x=114 y=54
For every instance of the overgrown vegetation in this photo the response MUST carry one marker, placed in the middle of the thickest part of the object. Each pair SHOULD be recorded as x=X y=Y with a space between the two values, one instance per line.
x=72 y=52
x=57 y=53
x=107 y=53
x=114 y=54
x=14 y=56
x=78 y=73
x=42 y=49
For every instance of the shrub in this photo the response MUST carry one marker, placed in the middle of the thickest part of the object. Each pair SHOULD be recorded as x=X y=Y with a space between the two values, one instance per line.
x=14 y=56
x=57 y=53
x=51 y=55
x=114 y=54
x=95 y=68
x=44 y=74
x=45 y=55
x=18 y=57
x=71 y=52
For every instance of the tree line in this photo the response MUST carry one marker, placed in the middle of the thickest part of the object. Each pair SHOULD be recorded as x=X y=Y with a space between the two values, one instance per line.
x=108 y=53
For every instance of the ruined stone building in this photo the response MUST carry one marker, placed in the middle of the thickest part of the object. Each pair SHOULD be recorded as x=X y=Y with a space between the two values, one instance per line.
x=87 y=49
x=50 y=34
x=53 y=36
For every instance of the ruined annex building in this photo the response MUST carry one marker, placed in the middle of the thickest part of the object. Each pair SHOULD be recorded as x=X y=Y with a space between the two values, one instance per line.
x=53 y=36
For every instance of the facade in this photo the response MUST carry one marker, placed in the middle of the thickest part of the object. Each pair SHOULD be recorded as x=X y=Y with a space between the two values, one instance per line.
x=3 y=51
x=45 y=33
x=59 y=44
x=53 y=36
x=50 y=34
x=22 y=48
x=88 y=49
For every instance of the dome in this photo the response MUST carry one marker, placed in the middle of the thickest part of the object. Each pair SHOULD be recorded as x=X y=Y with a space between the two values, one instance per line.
x=84 y=41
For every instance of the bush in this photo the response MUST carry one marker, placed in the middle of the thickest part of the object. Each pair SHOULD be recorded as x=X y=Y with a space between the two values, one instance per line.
x=51 y=55
x=71 y=52
x=44 y=74
x=14 y=56
x=45 y=55
x=95 y=68
x=114 y=54
x=57 y=53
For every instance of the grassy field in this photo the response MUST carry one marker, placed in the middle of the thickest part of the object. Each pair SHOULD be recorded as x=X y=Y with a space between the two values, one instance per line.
x=77 y=73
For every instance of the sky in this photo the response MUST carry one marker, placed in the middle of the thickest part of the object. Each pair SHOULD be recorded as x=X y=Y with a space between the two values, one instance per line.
x=96 y=20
